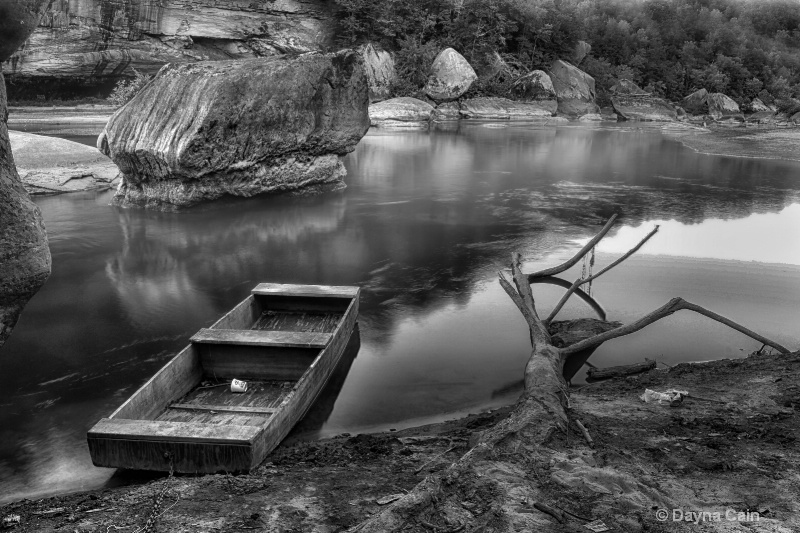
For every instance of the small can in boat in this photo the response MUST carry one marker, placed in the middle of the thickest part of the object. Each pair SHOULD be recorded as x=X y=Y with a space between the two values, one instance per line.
x=238 y=386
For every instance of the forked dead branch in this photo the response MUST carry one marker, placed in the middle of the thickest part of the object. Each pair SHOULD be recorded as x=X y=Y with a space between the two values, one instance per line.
x=504 y=468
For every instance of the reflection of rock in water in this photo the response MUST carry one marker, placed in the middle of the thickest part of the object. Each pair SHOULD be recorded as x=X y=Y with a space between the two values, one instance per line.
x=177 y=263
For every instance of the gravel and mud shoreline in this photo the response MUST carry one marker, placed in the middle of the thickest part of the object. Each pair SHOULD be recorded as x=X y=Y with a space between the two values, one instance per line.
x=729 y=448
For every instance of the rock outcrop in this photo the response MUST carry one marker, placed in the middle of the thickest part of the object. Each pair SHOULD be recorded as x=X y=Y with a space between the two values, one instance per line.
x=695 y=103
x=24 y=254
x=536 y=87
x=575 y=89
x=204 y=130
x=451 y=76
x=633 y=103
x=379 y=66
x=722 y=107
x=49 y=165
x=402 y=112
x=486 y=107
x=84 y=46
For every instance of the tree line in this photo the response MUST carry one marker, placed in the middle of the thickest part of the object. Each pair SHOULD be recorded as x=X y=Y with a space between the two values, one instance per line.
x=745 y=49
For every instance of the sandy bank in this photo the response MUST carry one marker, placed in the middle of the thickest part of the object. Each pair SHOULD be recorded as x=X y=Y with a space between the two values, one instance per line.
x=49 y=165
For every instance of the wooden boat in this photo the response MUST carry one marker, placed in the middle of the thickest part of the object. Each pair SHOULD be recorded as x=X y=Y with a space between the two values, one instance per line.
x=284 y=340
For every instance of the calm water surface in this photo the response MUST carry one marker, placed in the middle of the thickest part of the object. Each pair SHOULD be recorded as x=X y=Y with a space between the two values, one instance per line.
x=426 y=221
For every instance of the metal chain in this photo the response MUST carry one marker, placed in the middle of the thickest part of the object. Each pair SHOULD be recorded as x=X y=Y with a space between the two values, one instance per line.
x=591 y=266
x=149 y=526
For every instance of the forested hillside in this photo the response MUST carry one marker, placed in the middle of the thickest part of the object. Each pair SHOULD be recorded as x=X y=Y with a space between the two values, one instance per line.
x=741 y=48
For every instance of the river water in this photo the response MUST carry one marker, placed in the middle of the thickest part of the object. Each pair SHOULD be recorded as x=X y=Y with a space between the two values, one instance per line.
x=425 y=222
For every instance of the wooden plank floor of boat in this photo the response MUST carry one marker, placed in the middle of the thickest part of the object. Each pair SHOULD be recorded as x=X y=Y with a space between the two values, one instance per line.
x=217 y=405
x=311 y=322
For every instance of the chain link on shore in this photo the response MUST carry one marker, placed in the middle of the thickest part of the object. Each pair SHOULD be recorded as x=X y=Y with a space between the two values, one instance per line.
x=149 y=526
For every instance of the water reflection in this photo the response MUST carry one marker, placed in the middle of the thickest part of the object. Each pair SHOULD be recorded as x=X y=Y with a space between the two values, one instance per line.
x=425 y=222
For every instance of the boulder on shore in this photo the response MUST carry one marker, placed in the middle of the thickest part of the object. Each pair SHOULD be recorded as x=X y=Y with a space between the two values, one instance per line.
x=536 y=87
x=695 y=103
x=574 y=88
x=451 y=76
x=717 y=105
x=633 y=103
x=486 y=107
x=200 y=131
x=722 y=107
x=402 y=112
x=379 y=66
x=24 y=253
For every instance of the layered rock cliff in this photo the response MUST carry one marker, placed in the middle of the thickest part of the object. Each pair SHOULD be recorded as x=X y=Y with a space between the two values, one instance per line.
x=82 y=46
x=203 y=130
x=24 y=254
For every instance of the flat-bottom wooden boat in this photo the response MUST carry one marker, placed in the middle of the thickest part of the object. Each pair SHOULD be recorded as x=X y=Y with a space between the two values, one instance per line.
x=284 y=340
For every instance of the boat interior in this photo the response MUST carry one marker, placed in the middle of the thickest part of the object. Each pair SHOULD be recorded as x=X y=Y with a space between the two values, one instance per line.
x=269 y=341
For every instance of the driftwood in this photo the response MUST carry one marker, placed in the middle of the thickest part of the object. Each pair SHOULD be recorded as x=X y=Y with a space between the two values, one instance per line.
x=619 y=371
x=585 y=432
x=506 y=458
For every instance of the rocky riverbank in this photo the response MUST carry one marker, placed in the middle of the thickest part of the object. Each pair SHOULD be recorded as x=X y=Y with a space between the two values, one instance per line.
x=729 y=450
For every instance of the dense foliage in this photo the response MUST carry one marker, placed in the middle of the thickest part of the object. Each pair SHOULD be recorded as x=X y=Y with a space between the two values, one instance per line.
x=743 y=48
x=126 y=88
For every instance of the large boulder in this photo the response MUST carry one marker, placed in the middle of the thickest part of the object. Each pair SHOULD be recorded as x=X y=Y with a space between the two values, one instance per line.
x=402 y=112
x=633 y=103
x=24 y=254
x=574 y=88
x=204 y=130
x=485 y=107
x=536 y=87
x=451 y=76
x=722 y=107
x=379 y=66
x=82 y=46
x=695 y=103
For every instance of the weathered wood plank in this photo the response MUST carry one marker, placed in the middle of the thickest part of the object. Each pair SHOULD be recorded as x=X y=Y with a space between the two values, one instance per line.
x=243 y=316
x=251 y=337
x=172 y=382
x=158 y=430
x=320 y=291
x=223 y=408
x=228 y=361
x=298 y=321
x=185 y=457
